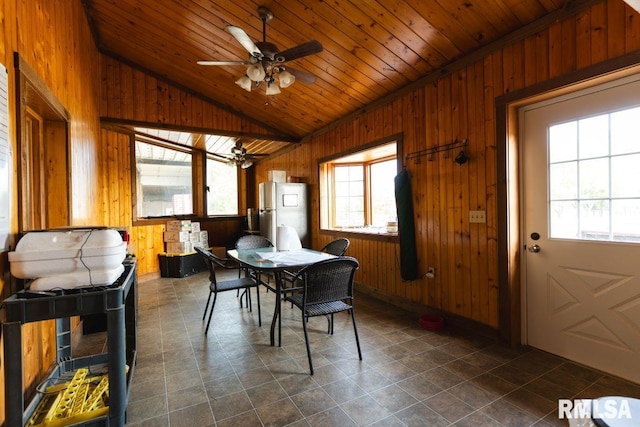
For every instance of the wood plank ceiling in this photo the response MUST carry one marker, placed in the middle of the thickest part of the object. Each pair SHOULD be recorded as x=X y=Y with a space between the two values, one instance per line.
x=372 y=48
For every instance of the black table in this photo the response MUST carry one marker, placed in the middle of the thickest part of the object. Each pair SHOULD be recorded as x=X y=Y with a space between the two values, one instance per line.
x=270 y=260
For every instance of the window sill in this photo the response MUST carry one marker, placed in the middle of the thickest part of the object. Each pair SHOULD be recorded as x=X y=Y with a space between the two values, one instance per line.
x=362 y=233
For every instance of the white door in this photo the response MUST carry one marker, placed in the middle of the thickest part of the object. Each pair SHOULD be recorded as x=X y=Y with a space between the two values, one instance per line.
x=581 y=225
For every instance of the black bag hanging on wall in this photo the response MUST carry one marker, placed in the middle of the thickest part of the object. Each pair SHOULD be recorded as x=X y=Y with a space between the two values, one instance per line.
x=406 y=227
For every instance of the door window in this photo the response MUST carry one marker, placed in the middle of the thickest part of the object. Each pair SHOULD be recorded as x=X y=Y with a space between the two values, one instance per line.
x=594 y=170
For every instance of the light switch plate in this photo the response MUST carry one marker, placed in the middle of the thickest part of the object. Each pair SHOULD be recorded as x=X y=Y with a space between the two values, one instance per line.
x=478 y=217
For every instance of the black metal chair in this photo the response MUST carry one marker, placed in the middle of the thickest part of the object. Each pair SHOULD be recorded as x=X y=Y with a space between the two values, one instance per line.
x=327 y=288
x=253 y=241
x=336 y=247
x=215 y=286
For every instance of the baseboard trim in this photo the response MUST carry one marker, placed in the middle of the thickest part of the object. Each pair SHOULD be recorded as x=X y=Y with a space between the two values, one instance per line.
x=148 y=276
x=417 y=309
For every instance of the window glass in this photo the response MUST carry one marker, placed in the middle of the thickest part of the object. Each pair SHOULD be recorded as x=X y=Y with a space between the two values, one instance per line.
x=222 y=188
x=164 y=181
x=349 y=185
x=383 y=192
x=357 y=190
x=593 y=176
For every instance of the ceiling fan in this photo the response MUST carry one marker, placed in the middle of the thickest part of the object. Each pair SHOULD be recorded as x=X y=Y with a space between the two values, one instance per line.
x=240 y=157
x=266 y=61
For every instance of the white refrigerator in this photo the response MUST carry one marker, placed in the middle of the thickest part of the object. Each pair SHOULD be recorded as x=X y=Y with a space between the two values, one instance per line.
x=283 y=203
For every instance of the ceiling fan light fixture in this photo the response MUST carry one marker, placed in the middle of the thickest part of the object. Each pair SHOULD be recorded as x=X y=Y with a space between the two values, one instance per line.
x=245 y=83
x=256 y=72
x=286 y=79
x=272 y=89
x=246 y=165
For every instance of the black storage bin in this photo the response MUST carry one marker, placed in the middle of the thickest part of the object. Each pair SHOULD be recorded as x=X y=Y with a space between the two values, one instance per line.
x=181 y=265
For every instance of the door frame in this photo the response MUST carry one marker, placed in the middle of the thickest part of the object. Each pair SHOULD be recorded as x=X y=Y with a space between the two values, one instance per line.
x=33 y=96
x=509 y=201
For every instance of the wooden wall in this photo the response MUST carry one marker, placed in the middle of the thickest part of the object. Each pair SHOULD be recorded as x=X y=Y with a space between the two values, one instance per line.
x=459 y=105
x=54 y=39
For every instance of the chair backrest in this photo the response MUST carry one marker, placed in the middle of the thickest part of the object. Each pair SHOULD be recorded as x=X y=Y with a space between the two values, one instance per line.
x=336 y=247
x=252 y=241
x=212 y=260
x=328 y=280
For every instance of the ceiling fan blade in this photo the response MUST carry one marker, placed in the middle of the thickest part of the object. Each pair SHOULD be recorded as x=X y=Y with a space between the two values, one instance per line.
x=302 y=76
x=305 y=49
x=224 y=63
x=244 y=40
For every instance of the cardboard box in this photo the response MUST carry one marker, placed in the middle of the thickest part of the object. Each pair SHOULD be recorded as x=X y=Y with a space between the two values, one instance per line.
x=277 y=176
x=176 y=236
x=201 y=244
x=179 y=247
x=179 y=225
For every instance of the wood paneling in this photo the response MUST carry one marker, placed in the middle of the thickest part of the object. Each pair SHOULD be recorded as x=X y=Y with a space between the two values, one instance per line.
x=54 y=39
x=458 y=105
x=371 y=47
x=56 y=42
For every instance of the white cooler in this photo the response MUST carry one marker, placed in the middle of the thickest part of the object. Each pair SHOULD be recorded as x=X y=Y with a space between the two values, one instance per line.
x=69 y=258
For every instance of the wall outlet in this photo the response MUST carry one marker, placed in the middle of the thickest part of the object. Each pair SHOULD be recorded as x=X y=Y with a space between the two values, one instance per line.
x=478 y=217
x=431 y=273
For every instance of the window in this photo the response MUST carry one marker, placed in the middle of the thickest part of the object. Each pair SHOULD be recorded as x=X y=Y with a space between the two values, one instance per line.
x=593 y=176
x=170 y=162
x=357 y=190
x=164 y=180
x=222 y=188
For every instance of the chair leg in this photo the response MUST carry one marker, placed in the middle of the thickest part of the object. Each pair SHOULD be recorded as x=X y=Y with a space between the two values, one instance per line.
x=331 y=323
x=206 y=306
x=259 y=316
x=306 y=341
x=355 y=331
x=215 y=295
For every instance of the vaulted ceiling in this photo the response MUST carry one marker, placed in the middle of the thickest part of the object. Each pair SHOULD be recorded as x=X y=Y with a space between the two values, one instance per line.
x=371 y=48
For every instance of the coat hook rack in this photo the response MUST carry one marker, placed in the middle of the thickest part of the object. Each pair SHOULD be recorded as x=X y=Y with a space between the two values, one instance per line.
x=457 y=143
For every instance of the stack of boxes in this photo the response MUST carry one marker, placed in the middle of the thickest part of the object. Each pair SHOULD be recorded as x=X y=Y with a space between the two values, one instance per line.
x=181 y=236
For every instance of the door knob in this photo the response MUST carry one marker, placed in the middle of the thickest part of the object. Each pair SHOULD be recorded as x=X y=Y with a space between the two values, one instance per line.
x=534 y=248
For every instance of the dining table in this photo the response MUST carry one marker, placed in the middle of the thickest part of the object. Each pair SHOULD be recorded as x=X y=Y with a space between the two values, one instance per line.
x=271 y=261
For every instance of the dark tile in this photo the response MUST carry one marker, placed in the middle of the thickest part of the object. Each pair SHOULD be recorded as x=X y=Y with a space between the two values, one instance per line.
x=282 y=412
x=449 y=406
x=331 y=418
x=365 y=410
x=186 y=397
x=222 y=387
x=230 y=405
x=146 y=409
x=419 y=387
x=313 y=401
x=508 y=414
x=531 y=402
x=473 y=395
x=393 y=398
x=343 y=390
x=197 y=415
x=477 y=419
x=419 y=415
x=266 y=394
x=246 y=419
x=408 y=376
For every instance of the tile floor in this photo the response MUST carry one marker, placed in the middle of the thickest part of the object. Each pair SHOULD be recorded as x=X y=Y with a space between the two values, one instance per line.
x=409 y=376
